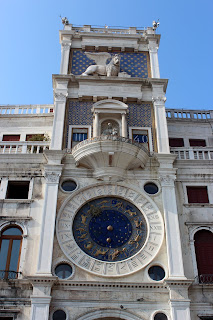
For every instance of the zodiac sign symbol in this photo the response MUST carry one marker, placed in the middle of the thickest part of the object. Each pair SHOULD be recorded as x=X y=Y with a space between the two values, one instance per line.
x=81 y=230
x=88 y=246
x=119 y=205
x=138 y=223
x=131 y=213
x=136 y=240
x=83 y=236
x=102 y=252
x=94 y=211
x=116 y=253
x=83 y=219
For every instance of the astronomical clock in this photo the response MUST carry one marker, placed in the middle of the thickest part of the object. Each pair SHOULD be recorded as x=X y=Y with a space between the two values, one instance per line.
x=110 y=230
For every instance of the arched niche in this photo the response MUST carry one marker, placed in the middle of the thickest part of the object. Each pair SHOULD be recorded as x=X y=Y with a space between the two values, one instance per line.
x=110 y=110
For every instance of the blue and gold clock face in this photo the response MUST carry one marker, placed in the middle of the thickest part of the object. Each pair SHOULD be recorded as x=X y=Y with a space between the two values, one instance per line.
x=110 y=229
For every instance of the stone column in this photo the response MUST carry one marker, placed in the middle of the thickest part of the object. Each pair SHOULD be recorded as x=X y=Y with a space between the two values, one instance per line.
x=179 y=300
x=59 y=116
x=161 y=124
x=153 y=53
x=96 y=123
x=65 y=52
x=41 y=297
x=52 y=175
x=124 y=125
x=167 y=177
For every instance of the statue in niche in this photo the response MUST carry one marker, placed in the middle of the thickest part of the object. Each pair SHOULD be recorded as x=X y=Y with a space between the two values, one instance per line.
x=110 y=130
x=101 y=68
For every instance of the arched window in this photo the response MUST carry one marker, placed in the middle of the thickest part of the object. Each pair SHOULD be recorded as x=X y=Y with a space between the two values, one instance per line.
x=204 y=251
x=10 y=249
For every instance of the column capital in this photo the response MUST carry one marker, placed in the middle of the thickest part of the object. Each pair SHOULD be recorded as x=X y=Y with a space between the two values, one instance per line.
x=65 y=46
x=159 y=100
x=60 y=96
x=167 y=180
x=52 y=177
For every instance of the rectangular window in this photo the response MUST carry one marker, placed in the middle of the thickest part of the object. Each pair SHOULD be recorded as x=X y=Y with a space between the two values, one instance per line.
x=6 y=318
x=197 y=194
x=141 y=135
x=11 y=137
x=176 y=142
x=35 y=137
x=78 y=135
x=197 y=143
x=17 y=189
x=206 y=317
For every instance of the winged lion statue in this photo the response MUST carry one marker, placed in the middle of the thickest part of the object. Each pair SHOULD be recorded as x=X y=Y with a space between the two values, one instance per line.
x=101 y=68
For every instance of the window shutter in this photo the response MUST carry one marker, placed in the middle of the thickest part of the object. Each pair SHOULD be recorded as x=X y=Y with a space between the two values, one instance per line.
x=197 y=194
x=176 y=142
x=204 y=252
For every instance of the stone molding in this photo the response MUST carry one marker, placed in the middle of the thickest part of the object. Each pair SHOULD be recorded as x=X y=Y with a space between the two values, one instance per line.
x=65 y=46
x=104 y=313
x=159 y=100
x=52 y=177
x=167 y=180
x=60 y=96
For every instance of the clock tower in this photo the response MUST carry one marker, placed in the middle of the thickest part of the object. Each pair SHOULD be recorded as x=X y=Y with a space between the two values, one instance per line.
x=110 y=231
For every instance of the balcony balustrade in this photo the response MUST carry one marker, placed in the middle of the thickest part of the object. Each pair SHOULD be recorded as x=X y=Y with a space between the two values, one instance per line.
x=26 y=109
x=197 y=153
x=180 y=114
x=110 y=156
x=27 y=147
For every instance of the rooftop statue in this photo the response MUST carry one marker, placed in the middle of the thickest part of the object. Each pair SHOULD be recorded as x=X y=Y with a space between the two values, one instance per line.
x=101 y=68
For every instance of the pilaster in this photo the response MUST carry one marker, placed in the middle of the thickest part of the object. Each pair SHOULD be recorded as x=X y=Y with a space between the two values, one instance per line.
x=179 y=300
x=167 y=176
x=41 y=297
x=153 y=53
x=160 y=120
x=60 y=98
x=52 y=175
x=65 y=53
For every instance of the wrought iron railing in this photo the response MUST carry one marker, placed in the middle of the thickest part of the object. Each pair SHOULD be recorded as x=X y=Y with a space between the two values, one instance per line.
x=110 y=138
x=206 y=278
x=8 y=274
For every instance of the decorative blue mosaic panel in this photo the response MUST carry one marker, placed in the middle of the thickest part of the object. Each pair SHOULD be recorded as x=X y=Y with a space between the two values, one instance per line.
x=140 y=115
x=133 y=63
x=79 y=113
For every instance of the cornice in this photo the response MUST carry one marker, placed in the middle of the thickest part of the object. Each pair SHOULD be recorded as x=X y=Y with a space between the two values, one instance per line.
x=109 y=285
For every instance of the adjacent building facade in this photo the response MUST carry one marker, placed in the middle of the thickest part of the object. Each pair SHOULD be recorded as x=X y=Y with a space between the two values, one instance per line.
x=106 y=198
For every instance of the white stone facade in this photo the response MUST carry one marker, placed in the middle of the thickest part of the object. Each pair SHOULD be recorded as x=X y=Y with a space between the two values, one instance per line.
x=103 y=166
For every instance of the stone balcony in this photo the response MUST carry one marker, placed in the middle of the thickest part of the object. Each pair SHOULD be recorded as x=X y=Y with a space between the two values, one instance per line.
x=26 y=109
x=193 y=153
x=110 y=156
x=23 y=147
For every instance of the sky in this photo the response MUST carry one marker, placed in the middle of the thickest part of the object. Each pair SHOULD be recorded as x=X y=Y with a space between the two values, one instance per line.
x=30 y=50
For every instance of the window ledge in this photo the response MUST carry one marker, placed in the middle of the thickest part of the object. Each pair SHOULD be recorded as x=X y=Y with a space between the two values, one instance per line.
x=198 y=205
x=15 y=218
x=16 y=200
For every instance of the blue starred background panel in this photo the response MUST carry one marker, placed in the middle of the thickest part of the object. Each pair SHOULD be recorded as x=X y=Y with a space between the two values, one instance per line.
x=140 y=115
x=135 y=64
x=79 y=113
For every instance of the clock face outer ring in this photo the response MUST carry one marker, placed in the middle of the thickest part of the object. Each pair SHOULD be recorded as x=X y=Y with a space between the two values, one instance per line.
x=145 y=254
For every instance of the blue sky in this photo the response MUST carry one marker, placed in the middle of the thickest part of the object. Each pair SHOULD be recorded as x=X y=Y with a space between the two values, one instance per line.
x=30 y=50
